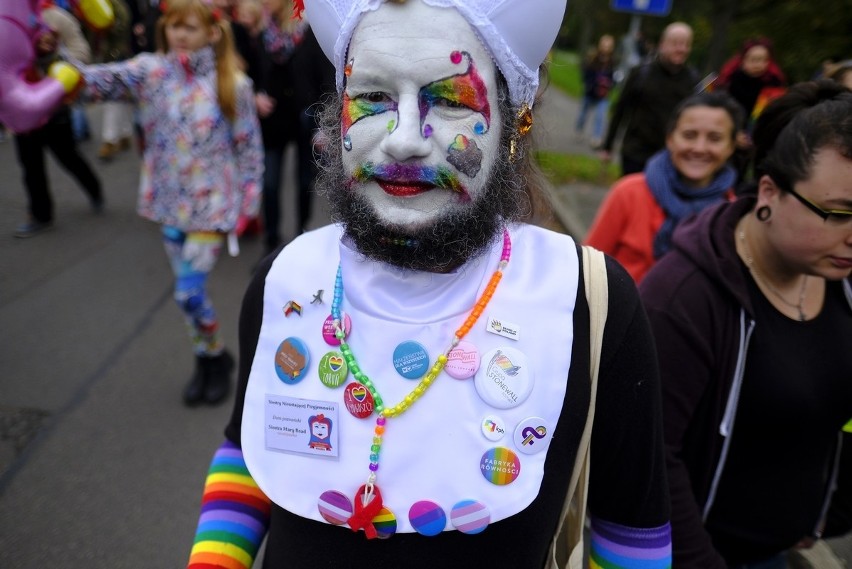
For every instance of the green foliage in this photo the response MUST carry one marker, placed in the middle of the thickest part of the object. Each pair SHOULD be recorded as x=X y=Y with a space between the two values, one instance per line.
x=568 y=168
x=805 y=33
x=564 y=71
x=564 y=74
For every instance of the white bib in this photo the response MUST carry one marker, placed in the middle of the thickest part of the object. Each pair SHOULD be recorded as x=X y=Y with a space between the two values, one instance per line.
x=448 y=446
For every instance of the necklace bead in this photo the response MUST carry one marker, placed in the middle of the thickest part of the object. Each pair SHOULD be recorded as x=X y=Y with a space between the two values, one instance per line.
x=384 y=413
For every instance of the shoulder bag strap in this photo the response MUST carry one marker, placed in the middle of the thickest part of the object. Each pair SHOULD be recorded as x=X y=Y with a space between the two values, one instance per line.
x=567 y=546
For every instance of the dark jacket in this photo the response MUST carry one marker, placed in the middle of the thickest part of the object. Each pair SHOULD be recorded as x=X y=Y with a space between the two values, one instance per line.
x=698 y=301
x=651 y=92
x=296 y=81
x=598 y=73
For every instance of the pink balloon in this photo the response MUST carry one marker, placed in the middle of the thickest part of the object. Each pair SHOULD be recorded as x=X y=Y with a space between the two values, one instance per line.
x=23 y=105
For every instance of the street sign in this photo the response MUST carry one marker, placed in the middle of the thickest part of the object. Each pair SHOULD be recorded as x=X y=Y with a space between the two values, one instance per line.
x=643 y=7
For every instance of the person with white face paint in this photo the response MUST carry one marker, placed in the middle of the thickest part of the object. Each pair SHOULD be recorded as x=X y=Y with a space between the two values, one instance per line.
x=440 y=339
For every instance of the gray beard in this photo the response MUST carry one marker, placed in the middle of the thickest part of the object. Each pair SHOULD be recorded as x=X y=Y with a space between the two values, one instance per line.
x=461 y=233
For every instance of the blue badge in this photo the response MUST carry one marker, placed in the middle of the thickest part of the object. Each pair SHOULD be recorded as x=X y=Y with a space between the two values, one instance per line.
x=411 y=360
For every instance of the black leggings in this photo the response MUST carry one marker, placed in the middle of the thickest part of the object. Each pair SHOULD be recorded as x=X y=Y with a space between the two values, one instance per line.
x=57 y=136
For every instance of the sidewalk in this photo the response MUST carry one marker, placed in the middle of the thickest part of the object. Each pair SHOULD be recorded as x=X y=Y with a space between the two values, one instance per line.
x=575 y=204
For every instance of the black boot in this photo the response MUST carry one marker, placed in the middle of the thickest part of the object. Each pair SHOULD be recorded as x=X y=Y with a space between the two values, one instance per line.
x=193 y=393
x=217 y=377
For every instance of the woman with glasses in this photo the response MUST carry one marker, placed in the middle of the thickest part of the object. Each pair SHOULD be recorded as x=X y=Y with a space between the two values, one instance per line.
x=752 y=313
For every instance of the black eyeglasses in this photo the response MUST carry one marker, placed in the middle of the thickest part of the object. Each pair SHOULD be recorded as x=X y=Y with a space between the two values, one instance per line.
x=833 y=216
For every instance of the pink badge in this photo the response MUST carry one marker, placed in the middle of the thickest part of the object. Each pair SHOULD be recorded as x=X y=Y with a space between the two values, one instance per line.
x=462 y=361
x=328 y=329
x=335 y=507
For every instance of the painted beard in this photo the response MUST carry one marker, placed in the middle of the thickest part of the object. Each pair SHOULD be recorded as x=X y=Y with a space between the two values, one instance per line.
x=461 y=233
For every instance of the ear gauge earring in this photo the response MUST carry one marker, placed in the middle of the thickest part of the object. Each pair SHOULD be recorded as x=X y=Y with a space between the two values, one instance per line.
x=523 y=125
x=763 y=213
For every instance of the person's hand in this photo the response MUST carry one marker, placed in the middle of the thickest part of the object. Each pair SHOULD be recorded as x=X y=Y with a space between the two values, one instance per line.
x=743 y=139
x=604 y=155
x=46 y=43
x=264 y=104
x=243 y=222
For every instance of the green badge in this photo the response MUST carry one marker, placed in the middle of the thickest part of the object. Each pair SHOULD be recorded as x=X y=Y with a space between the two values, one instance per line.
x=333 y=370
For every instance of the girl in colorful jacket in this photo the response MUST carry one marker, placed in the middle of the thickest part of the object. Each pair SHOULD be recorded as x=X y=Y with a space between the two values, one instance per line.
x=202 y=163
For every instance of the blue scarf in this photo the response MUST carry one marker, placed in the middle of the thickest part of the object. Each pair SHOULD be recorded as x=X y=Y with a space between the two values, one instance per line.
x=678 y=200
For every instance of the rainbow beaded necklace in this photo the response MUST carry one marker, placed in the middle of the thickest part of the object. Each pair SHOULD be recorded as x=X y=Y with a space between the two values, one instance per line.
x=370 y=502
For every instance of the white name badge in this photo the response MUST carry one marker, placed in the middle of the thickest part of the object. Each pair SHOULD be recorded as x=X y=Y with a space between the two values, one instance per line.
x=303 y=426
x=503 y=328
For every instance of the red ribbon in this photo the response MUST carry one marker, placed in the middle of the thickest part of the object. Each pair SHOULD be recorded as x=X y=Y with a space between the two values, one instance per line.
x=298 y=8
x=364 y=513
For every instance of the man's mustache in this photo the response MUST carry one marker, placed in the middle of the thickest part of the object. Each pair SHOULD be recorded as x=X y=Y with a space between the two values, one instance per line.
x=438 y=176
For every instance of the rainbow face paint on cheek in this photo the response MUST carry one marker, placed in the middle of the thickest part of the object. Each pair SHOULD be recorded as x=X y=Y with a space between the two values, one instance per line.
x=465 y=155
x=358 y=108
x=465 y=89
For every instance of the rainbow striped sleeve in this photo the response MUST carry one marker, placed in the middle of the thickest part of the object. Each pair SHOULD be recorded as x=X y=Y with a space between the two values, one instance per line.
x=621 y=547
x=234 y=515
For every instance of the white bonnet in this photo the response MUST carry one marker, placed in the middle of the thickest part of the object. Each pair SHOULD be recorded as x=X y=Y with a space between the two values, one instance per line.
x=517 y=33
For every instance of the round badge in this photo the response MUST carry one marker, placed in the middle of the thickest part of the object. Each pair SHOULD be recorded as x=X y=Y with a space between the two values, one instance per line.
x=493 y=428
x=358 y=400
x=333 y=370
x=532 y=435
x=462 y=361
x=291 y=359
x=385 y=523
x=427 y=518
x=500 y=466
x=411 y=360
x=335 y=507
x=328 y=329
x=505 y=379
x=470 y=516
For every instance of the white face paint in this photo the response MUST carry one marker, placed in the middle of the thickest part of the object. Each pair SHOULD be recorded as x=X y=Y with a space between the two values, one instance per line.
x=421 y=125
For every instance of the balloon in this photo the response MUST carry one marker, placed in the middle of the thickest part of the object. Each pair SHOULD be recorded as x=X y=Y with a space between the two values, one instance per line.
x=23 y=105
x=97 y=14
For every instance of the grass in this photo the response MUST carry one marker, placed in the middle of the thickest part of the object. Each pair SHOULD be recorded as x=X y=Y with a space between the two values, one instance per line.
x=564 y=71
x=564 y=74
x=563 y=169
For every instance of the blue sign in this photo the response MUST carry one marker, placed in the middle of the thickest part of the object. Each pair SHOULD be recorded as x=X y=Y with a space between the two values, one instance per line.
x=643 y=7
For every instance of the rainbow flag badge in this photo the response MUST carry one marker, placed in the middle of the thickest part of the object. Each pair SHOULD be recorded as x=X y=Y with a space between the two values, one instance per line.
x=292 y=307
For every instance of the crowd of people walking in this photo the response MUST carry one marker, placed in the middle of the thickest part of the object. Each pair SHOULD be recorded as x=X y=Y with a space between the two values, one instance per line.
x=722 y=419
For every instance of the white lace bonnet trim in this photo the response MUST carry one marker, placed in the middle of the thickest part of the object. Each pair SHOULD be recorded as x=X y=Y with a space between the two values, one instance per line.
x=517 y=33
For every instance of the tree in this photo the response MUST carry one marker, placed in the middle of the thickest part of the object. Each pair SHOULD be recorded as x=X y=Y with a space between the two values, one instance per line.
x=804 y=33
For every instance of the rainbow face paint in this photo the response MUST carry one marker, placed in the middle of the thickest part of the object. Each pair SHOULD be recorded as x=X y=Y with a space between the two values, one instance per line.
x=361 y=107
x=466 y=89
x=465 y=155
x=403 y=180
x=419 y=114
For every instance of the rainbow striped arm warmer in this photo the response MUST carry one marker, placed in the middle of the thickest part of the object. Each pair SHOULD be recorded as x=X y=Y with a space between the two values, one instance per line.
x=621 y=547
x=234 y=515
